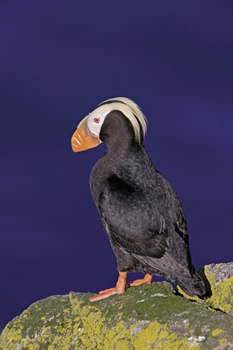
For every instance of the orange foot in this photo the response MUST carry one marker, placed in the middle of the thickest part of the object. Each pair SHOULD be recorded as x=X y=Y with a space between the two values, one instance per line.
x=119 y=289
x=147 y=279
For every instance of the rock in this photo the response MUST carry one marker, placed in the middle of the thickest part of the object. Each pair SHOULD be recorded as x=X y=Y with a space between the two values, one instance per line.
x=220 y=277
x=145 y=317
x=220 y=280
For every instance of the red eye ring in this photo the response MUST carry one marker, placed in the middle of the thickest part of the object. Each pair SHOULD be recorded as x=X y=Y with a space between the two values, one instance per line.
x=96 y=120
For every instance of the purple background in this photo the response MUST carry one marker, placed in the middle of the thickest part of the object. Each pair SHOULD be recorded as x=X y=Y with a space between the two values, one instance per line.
x=58 y=60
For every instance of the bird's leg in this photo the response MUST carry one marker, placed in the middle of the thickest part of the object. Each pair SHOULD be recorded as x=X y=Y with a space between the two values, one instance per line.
x=119 y=289
x=147 y=279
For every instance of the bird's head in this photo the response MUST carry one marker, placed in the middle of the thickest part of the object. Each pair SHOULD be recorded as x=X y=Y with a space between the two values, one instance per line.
x=106 y=121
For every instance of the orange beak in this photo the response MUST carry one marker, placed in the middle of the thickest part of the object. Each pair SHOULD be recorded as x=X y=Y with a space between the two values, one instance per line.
x=82 y=139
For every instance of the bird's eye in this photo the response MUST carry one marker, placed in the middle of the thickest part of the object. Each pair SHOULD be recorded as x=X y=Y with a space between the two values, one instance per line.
x=96 y=120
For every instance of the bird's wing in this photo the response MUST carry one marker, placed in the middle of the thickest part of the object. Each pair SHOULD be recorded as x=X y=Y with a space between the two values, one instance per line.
x=131 y=228
x=152 y=252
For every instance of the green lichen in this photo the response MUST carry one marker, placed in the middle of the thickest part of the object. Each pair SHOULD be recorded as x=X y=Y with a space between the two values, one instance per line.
x=145 y=317
x=216 y=332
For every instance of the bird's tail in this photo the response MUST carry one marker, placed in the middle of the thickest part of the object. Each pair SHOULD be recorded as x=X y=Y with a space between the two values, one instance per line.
x=194 y=287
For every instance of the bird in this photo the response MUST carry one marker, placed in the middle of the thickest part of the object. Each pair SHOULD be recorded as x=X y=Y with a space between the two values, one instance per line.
x=139 y=209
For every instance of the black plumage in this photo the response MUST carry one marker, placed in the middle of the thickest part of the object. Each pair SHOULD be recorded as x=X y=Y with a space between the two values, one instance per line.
x=140 y=210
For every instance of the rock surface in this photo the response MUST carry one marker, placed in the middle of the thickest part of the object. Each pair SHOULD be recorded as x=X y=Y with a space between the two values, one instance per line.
x=220 y=280
x=145 y=317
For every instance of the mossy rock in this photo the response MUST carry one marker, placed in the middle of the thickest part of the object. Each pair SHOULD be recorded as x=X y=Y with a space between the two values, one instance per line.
x=219 y=278
x=145 y=317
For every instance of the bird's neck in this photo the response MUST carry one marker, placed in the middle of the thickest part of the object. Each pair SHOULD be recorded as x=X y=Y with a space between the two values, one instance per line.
x=125 y=162
x=121 y=152
x=117 y=160
x=119 y=146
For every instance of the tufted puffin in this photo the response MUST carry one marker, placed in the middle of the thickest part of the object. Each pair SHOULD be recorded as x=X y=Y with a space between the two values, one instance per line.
x=139 y=209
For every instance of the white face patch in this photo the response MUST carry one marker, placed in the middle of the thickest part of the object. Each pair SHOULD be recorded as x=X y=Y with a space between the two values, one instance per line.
x=95 y=121
x=127 y=107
